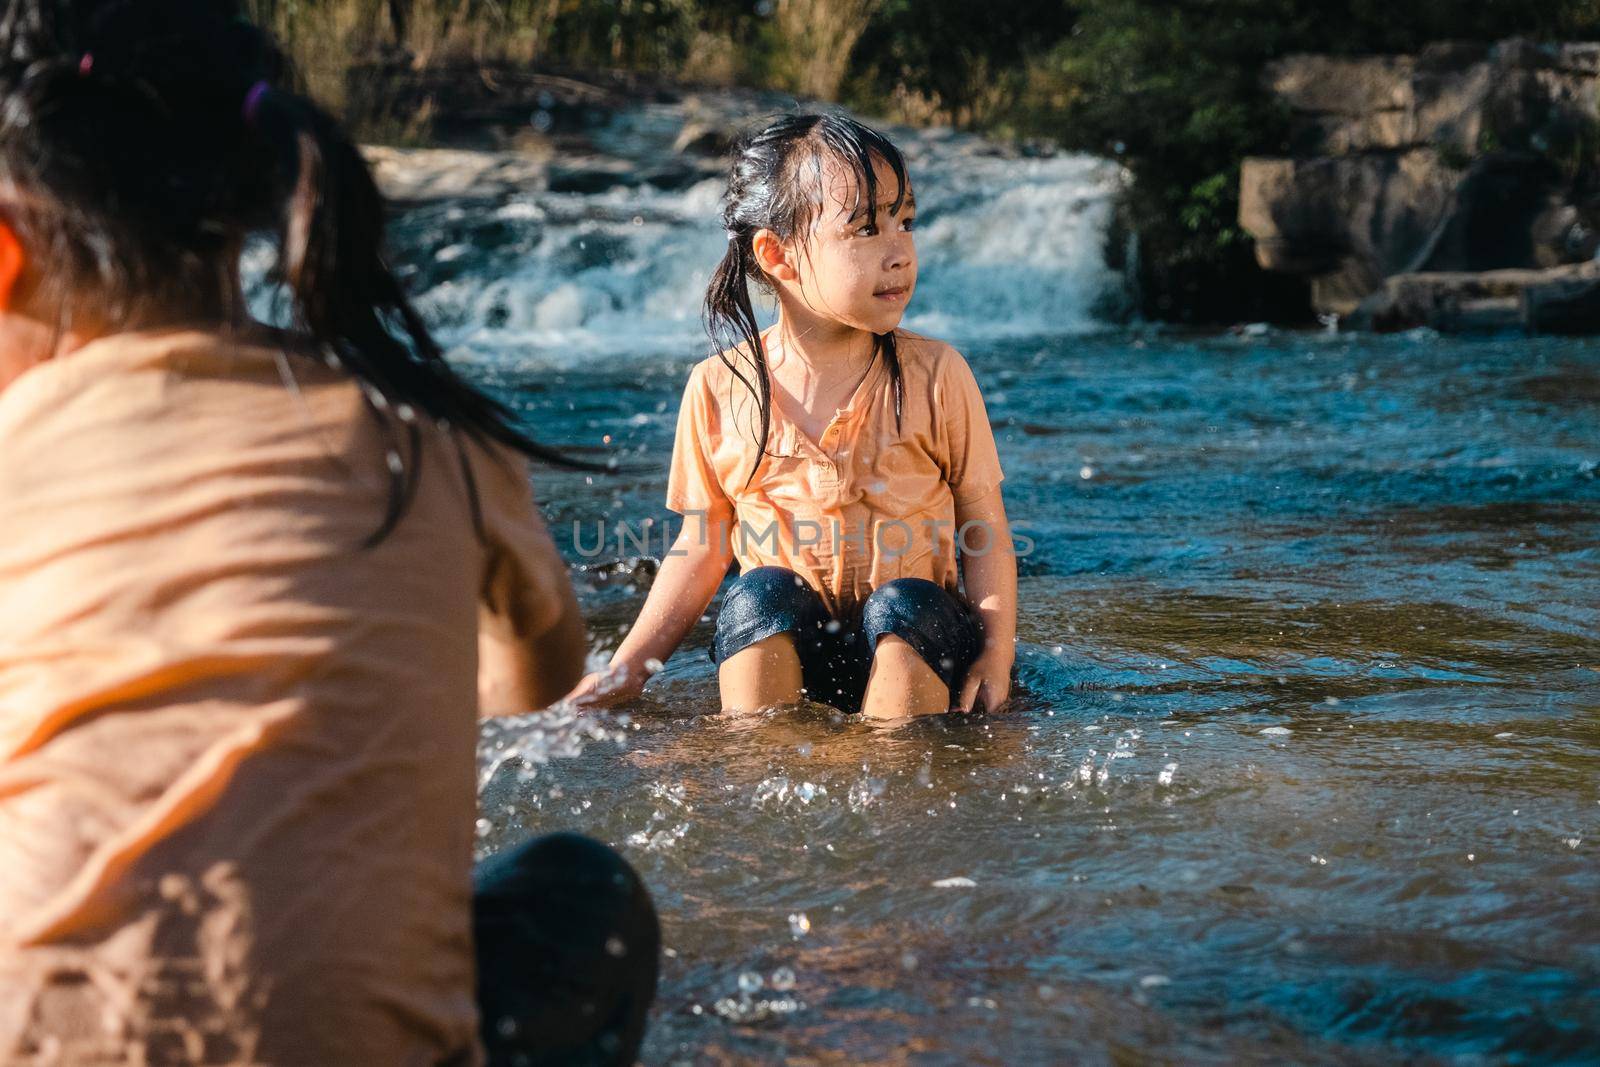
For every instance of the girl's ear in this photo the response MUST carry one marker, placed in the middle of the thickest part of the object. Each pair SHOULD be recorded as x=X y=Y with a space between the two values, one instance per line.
x=11 y=264
x=772 y=256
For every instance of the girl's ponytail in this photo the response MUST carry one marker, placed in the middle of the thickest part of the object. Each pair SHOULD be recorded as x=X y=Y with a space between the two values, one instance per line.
x=730 y=319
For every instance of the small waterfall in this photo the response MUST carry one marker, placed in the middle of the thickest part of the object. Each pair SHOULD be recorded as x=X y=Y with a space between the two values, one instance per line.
x=1008 y=246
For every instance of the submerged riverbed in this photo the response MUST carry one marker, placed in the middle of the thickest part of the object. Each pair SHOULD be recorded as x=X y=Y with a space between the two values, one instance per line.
x=1304 y=764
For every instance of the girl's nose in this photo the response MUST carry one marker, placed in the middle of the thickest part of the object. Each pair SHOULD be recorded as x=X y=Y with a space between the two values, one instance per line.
x=901 y=254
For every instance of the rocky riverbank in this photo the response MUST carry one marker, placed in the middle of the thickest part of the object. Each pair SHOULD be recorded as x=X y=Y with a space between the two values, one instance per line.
x=493 y=133
x=1455 y=188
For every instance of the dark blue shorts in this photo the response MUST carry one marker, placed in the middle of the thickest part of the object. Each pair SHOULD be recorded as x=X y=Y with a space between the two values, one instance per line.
x=836 y=654
x=568 y=949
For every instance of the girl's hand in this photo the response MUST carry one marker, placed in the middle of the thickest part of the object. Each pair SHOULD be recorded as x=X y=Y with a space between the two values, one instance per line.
x=988 y=681
x=617 y=684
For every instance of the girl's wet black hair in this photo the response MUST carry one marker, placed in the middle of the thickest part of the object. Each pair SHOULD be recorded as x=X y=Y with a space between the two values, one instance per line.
x=776 y=184
x=143 y=141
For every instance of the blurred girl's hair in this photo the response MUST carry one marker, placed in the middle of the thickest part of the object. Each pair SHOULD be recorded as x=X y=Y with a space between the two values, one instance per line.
x=776 y=184
x=142 y=142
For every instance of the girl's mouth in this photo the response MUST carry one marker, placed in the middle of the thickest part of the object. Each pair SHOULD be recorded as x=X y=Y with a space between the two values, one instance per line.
x=899 y=292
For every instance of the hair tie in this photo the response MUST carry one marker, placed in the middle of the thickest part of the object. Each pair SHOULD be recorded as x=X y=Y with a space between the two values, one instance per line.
x=86 y=65
x=252 y=101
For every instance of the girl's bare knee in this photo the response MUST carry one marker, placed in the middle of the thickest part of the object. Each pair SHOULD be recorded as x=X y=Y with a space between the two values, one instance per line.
x=761 y=674
x=897 y=650
x=776 y=645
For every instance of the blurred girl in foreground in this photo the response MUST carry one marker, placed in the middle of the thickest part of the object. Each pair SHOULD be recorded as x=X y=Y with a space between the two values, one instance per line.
x=245 y=579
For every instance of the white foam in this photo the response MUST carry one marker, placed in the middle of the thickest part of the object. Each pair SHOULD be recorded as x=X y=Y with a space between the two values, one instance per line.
x=1007 y=247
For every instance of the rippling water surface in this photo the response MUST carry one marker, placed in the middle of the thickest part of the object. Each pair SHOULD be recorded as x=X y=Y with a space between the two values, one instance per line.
x=1304 y=763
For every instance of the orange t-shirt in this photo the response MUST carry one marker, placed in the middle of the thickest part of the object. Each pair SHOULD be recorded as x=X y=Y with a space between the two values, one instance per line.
x=237 y=750
x=867 y=503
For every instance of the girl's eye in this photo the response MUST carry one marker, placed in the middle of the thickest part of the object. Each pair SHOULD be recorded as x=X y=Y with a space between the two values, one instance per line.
x=868 y=230
x=910 y=224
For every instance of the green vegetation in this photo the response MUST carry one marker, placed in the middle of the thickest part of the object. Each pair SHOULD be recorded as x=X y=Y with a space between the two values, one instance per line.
x=1170 y=87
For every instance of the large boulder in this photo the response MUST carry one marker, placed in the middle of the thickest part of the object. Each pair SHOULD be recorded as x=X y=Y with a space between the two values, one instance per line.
x=1349 y=221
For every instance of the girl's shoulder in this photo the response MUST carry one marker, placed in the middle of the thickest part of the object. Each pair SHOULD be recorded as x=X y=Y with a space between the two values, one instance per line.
x=715 y=374
x=932 y=361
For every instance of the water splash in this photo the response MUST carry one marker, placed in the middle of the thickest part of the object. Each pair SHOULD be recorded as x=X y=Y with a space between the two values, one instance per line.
x=779 y=792
x=528 y=742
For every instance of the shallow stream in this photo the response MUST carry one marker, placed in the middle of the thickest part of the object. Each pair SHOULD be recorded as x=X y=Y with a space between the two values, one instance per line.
x=1304 y=762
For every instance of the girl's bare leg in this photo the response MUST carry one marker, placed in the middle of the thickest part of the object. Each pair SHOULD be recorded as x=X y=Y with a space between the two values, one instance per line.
x=761 y=675
x=902 y=684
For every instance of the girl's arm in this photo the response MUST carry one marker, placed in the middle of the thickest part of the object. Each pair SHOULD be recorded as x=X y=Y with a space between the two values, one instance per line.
x=990 y=577
x=684 y=586
x=520 y=675
x=531 y=642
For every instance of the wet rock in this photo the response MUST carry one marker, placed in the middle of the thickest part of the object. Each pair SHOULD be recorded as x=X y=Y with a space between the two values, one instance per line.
x=1563 y=302
x=1556 y=300
x=1377 y=214
x=700 y=137
x=410 y=175
x=678 y=175
x=592 y=176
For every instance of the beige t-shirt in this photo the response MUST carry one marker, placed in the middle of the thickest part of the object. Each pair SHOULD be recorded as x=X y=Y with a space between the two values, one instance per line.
x=869 y=502
x=237 y=749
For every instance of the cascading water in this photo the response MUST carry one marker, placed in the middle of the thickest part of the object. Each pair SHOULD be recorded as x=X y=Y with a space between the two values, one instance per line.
x=1008 y=246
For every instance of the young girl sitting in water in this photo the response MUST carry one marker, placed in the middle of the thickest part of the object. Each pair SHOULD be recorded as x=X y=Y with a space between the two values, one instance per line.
x=836 y=457
x=252 y=584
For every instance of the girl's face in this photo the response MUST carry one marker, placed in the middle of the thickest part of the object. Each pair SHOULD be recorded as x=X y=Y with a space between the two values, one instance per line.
x=856 y=269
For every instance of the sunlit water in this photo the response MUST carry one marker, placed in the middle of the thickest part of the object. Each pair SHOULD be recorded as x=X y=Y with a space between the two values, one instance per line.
x=1303 y=763
x=1304 y=760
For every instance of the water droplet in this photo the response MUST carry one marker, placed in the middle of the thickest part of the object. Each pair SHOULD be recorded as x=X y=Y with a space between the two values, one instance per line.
x=616 y=947
x=1086 y=472
x=958 y=882
x=799 y=924
x=783 y=979
x=750 y=982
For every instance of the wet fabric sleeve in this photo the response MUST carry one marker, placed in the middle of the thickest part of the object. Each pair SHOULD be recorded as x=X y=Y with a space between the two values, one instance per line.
x=692 y=481
x=968 y=454
x=522 y=566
